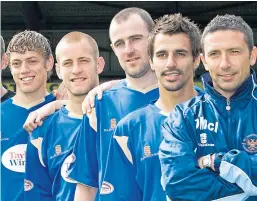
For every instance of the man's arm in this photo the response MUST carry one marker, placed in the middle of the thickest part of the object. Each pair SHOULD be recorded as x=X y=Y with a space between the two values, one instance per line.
x=36 y=117
x=37 y=183
x=181 y=176
x=237 y=167
x=119 y=181
x=89 y=101
x=84 y=193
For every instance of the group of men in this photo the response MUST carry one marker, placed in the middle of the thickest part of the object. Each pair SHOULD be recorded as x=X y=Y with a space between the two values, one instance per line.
x=152 y=136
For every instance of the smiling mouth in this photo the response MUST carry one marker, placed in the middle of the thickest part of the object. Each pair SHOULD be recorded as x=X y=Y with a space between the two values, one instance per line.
x=27 y=78
x=133 y=59
x=78 y=79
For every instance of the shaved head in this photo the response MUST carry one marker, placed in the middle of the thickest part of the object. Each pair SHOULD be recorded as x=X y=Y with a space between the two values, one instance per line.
x=74 y=37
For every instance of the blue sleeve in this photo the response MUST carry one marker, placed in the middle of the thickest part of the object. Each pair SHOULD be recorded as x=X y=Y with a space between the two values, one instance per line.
x=182 y=179
x=37 y=183
x=240 y=168
x=119 y=181
x=84 y=169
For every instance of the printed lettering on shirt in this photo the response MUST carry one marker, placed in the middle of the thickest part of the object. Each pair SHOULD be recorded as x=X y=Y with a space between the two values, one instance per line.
x=203 y=124
x=204 y=141
x=14 y=158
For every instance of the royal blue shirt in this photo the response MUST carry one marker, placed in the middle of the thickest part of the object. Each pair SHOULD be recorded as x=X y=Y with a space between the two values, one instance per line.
x=13 y=148
x=91 y=151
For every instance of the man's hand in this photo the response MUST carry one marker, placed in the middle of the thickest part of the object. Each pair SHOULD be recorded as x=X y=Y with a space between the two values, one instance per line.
x=36 y=118
x=61 y=92
x=200 y=162
x=89 y=101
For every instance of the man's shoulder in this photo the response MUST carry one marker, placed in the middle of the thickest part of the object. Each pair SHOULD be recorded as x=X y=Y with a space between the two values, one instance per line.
x=140 y=116
x=8 y=95
x=43 y=130
x=193 y=104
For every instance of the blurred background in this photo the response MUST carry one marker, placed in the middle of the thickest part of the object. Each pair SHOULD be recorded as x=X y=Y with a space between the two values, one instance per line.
x=56 y=18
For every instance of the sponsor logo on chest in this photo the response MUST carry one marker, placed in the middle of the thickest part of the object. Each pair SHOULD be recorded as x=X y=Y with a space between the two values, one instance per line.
x=14 y=158
x=203 y=124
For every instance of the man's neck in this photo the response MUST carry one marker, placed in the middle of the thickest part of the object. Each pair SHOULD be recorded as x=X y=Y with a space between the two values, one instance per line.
x=142 y=83
x=28 y=100
x=74 y=104
x=169 y=99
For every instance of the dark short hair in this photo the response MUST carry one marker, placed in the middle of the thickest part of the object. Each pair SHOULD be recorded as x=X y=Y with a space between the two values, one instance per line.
x=124 y=14
x=229 y=22
x=174 y=24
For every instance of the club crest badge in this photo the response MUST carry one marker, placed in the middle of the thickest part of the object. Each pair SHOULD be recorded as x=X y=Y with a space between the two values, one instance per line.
x=147 y=150
x=113 y=123
x=58 y=149
x=250 y=143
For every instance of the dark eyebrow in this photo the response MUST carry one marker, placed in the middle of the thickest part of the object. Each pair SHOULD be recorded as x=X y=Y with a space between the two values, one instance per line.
x=16 y=60
x=182 y=50
x=84 y=58
x=136 y=35
x=66 y=60
x=130 y=37
x=31 y=58
x=160 y=51
x=118 y=41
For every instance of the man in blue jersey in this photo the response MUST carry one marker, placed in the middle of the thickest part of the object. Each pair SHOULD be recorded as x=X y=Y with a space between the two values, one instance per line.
x=30 y=61
x=209 y=149
x=133 y=169
x=50 y=146
x=128 y=34
x=5 y=94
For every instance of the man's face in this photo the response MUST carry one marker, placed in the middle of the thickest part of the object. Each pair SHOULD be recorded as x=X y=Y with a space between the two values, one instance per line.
x=29 y=71
x=129 y=43
x=227 y=58
x=173 y=61
x=77 y=65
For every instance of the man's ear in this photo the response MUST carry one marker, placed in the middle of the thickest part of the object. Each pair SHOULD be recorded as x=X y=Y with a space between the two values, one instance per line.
x=58 y=71
x=151 y=64
x=50 y=63
x=204 y=62
x=113 y=49
x=253 y=56
x=4 y=61
x=197 y=62
x=100 y=65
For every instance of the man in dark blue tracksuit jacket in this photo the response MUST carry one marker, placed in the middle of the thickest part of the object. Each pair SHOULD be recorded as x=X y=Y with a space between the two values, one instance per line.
x=209 y=150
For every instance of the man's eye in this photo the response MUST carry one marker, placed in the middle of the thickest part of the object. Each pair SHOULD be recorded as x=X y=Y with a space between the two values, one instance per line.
x=135 y=39
x=161 y=55
x=15 y=64
x=119 y=44
x=181 y=54
x=32 y=61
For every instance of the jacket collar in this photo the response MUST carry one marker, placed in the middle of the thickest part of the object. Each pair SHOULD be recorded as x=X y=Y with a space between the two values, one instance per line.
x=243 y=91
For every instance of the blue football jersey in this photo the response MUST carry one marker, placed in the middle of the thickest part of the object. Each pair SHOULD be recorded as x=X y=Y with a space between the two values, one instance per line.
x=91 y=152
x=133 y=170
x=49 y=154
x=13 y=148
